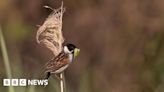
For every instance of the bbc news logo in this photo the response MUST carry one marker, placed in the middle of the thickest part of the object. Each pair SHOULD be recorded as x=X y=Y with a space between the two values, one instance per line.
x=24 y=82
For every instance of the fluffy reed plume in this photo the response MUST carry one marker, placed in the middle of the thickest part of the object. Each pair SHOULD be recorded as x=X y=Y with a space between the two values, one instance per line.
x=50 y=33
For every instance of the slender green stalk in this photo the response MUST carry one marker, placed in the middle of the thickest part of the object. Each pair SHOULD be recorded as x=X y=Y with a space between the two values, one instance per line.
x=6 y=59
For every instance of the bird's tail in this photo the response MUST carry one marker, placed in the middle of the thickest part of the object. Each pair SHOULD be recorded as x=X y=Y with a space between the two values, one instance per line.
x=47 y=75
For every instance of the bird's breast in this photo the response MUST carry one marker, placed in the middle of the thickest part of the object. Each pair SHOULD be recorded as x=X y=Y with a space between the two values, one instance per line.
x=70 y=56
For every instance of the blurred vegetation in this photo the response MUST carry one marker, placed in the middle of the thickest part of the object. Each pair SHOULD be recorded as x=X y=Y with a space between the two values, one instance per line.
x=121 y=42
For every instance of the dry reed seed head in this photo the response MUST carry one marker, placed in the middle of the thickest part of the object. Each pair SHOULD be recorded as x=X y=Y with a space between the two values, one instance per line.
x=50 y=33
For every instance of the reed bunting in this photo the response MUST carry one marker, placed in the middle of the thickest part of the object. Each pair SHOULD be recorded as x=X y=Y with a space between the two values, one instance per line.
x=62 y=60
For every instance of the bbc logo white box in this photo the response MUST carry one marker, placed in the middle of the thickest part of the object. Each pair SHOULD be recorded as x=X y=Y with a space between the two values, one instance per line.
x=6 y=82
x=22 y=82
x=14 y=82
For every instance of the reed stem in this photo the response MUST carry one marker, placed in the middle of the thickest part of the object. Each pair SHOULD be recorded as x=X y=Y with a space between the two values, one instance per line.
x=62 y=83
x=6 y=59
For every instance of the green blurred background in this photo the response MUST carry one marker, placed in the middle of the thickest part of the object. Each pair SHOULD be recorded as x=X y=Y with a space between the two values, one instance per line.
x=121 y=42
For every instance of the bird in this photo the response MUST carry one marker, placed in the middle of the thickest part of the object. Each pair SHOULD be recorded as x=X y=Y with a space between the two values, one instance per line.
x=59 y=63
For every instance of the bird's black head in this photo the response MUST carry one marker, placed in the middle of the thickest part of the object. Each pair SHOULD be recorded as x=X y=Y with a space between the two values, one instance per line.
x=70 y=47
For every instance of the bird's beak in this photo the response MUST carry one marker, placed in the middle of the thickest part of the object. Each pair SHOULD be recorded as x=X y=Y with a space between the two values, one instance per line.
x=76 y=52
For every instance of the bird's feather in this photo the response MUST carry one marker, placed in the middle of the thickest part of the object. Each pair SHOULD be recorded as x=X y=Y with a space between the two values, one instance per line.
x=58 y=62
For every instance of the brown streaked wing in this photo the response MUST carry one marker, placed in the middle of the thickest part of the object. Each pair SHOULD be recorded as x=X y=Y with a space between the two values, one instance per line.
x=58 y=62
